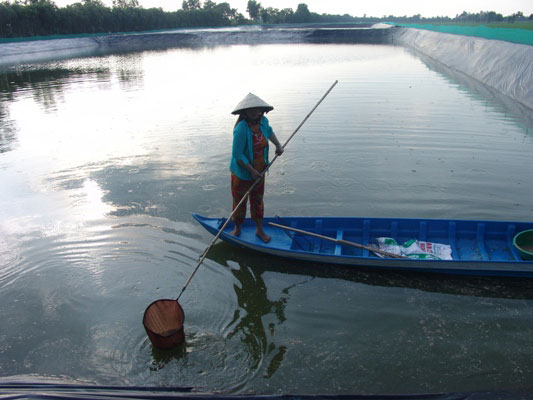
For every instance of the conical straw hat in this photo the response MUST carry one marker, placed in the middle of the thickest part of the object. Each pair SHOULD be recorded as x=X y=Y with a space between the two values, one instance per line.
x=252 y=101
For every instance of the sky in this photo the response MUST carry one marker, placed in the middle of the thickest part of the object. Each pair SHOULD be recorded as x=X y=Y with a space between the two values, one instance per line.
x=358 y=8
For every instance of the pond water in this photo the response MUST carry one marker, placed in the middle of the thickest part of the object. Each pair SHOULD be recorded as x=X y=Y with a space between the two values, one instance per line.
x=104 y=159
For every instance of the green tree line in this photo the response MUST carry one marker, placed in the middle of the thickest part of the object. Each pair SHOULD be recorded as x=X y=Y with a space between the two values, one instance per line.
x=25 y=18
x=44 y=17
x=270 y=15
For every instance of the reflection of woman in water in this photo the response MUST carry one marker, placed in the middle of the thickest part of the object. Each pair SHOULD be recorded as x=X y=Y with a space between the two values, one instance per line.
x=252 y=298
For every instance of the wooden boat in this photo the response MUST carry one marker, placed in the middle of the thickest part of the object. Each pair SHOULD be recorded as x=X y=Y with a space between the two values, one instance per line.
x=482 y=248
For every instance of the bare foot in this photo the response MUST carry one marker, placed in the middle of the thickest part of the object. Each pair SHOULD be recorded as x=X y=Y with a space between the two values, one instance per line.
x=263 y=236
x=236 y=232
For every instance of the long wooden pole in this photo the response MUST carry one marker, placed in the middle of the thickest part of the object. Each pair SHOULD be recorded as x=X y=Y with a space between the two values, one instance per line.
x=339 y=241
x=204 y=254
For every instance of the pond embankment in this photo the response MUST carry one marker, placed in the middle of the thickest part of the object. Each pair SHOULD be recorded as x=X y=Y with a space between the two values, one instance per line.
x=503 y=66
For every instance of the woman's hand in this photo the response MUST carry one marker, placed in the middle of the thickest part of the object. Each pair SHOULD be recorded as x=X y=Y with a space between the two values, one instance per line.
x=279 y=149
x=255 y=174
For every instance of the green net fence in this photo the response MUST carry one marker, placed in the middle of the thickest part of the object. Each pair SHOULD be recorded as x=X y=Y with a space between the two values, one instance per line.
x=522 y=36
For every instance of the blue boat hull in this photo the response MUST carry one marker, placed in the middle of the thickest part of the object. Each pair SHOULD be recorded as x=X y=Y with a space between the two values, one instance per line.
x=482 y=248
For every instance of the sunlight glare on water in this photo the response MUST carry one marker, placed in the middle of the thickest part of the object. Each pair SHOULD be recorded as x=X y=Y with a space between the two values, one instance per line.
x=104 y=159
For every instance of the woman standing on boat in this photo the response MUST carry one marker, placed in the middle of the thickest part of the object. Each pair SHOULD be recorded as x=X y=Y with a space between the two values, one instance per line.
x=249 y=158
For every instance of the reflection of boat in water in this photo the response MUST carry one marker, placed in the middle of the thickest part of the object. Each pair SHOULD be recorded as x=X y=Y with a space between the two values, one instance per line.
x=479 y=248
x=492 y=287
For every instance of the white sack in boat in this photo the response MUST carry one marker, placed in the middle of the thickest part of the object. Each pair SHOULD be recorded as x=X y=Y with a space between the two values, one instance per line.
x=416 y=249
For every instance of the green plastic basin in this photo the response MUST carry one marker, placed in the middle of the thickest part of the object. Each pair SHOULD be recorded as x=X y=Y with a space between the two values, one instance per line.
x=523 y=241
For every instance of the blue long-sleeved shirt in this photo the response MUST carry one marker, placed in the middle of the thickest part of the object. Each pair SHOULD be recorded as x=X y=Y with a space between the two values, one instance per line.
x=243 y=147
